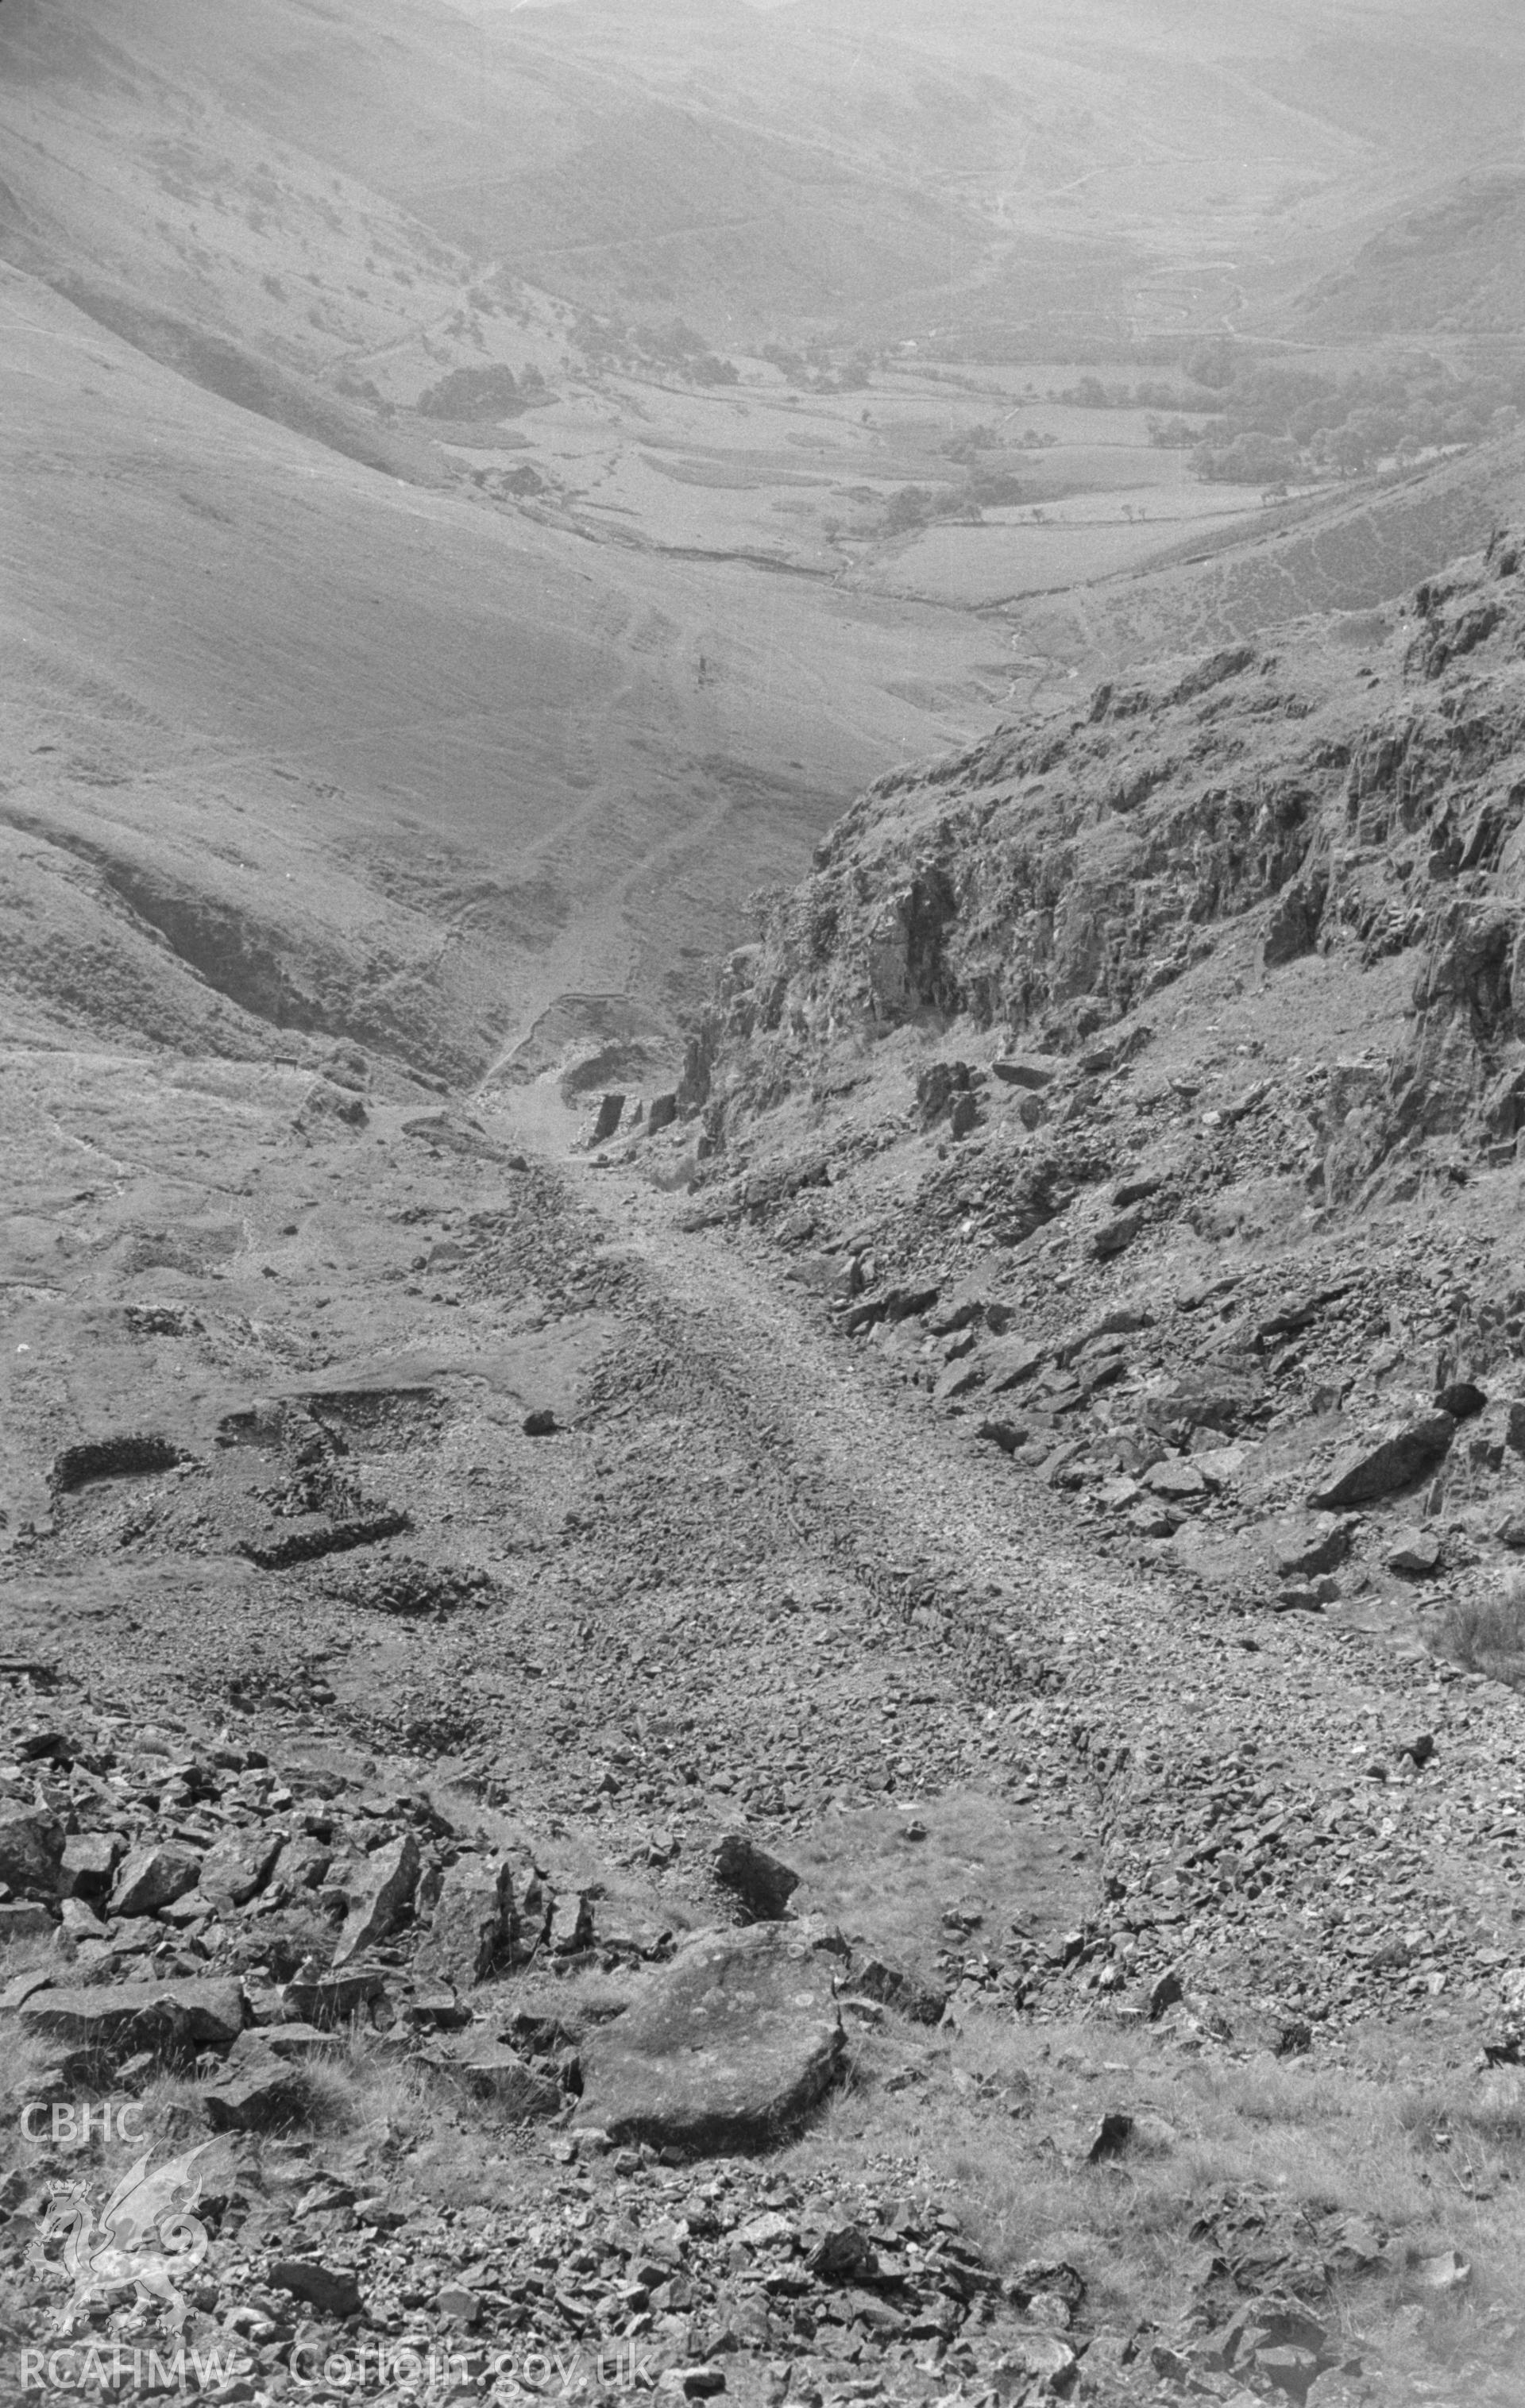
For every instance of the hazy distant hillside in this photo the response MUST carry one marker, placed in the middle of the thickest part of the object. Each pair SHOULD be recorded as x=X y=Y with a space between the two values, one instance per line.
x=541 y=146
x=534 y=689
x=1454 y=267
x=898 y=167
x=1174 y=136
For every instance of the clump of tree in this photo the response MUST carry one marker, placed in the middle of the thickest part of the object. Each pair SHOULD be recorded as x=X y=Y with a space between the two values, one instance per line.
x=474 y=394
x=913 y=506
x=680 y=351
x=992 y=487
x=1091 y=393
x=1276 y=420
x=818 y=370
x=965 y=447
x=676 y=351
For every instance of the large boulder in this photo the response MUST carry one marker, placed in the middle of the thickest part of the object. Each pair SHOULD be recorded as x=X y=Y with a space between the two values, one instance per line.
x=122 y=2021
x=728 y=2046
x=238 y=1866
x=1011 y=1362
x=762 y=1882
x=1019 y=1071
x=88 y=1863
x=1307 y=1544
x=390 y=1878
x=1406 y=1454
x=258 y=2094
x=31 y=1851
x=1116 y=1236
x=327 y=2001
x=471 y=1929
x=154 y=1876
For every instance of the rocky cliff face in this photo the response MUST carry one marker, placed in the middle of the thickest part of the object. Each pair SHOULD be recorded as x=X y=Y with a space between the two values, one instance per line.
x=1353 y=794
x=1146 y=1084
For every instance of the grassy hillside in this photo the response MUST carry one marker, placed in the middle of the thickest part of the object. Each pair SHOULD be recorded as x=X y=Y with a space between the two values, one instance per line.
x=815 y=162
x=1455 y=268
x=293 y=687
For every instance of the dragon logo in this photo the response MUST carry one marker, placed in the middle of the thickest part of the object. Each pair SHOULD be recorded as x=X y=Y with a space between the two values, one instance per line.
x=145 y=2240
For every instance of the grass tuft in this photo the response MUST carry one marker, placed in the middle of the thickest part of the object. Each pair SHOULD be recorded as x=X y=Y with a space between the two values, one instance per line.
x=1487 y=1634
x=1001 y=2133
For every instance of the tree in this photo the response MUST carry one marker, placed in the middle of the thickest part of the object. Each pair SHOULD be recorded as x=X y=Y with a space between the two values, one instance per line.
x=1213 y=363
x=912 y=506
x=472 y=393
x=1249 y=459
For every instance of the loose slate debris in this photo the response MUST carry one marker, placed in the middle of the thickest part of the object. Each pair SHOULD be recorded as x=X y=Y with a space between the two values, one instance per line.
x=335 y=1539
x=409 y=1587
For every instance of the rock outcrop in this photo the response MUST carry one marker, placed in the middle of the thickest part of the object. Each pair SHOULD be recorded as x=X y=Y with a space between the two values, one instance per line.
x=1051 y=880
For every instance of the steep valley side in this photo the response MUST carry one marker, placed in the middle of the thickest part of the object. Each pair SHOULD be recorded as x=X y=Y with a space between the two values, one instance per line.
x=963 y=1539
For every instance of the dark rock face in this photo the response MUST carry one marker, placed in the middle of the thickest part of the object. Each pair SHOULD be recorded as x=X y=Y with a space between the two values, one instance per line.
x=610 y=1113
x=1293 y=926
x=1017 y=1072
x=731 y=2043
x=936 y=1088
x=763 y=1882
x=1053 y=878
x=1405 y=1455
x=332 y=2290
x=133 y=1456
